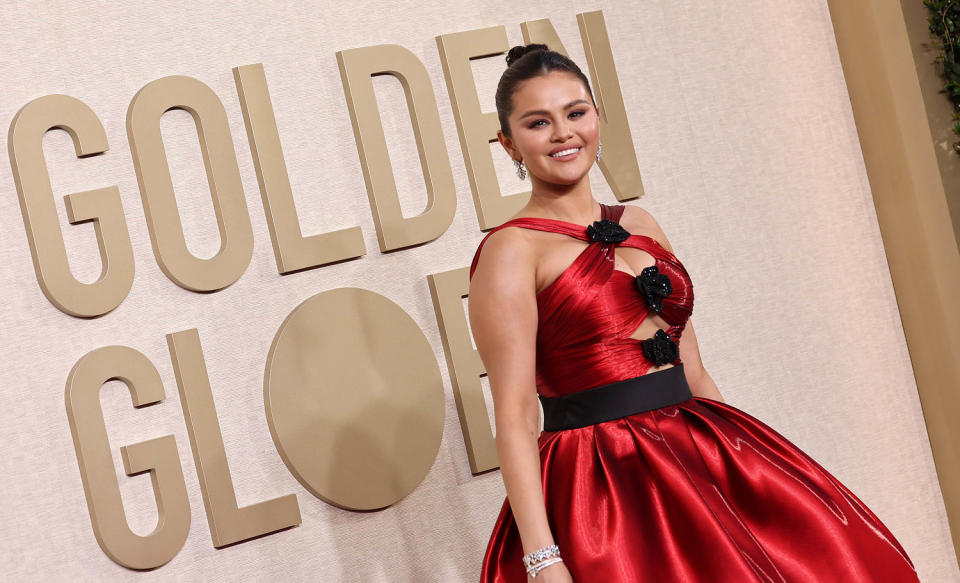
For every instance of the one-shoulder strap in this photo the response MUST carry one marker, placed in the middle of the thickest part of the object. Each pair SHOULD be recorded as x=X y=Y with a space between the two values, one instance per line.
x=612 y=212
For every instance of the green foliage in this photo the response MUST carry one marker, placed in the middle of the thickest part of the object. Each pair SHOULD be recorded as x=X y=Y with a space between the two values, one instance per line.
x=944 y=19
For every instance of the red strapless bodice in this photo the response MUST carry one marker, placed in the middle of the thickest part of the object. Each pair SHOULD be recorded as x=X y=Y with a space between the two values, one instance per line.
x=587 y=314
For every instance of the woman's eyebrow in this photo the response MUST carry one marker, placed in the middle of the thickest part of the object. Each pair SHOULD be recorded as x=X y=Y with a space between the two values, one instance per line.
x=544 y=112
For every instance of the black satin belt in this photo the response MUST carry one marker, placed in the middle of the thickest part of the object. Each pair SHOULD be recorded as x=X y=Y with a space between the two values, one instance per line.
x=615 y=400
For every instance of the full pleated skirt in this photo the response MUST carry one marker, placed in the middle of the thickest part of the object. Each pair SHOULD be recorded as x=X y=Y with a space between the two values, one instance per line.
x=699 y=491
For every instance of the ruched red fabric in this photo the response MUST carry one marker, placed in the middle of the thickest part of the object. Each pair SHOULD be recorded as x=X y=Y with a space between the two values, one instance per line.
x=695 y=492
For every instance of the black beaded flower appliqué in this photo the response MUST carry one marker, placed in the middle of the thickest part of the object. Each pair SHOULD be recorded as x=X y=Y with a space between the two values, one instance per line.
x=607 y=231
x=655 y=286
x=661 y=349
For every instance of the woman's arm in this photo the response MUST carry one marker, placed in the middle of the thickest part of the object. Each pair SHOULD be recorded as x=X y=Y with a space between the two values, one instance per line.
x=700 y=381
x=503 y=315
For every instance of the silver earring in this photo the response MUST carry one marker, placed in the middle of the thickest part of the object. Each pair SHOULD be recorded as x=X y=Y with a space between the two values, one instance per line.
x=599 y=147
x=521 y=171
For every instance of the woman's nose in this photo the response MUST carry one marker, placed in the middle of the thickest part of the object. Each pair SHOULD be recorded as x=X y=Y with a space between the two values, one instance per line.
x=561 y=130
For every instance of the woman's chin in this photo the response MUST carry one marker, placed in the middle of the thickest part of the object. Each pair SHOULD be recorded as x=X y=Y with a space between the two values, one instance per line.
x=562 y=179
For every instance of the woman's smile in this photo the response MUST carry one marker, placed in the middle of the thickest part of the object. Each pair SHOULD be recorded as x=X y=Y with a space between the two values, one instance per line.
x=566 y=154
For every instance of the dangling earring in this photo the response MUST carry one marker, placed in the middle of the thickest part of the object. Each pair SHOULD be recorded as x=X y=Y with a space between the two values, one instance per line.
x=521 y=171
x=599 y=147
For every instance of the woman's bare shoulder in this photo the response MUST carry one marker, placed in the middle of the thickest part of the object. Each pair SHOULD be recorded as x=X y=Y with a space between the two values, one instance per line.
x=637 y=216
x=639 y=220
x=508 y=252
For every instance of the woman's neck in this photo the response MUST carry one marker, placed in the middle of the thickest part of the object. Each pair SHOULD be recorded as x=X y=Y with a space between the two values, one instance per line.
x=575 y=205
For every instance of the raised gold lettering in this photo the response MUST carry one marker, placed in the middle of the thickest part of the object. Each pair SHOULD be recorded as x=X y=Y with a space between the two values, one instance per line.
x=293 y=251
x=158 y=456
x=102 y=206
x=357 y=66
x=463 y=361
x=477 y=129
x=228 y=522
x=354 y=398
x=156 y=186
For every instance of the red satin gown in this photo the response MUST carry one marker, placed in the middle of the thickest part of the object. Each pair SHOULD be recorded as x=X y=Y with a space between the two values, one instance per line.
x=699 y=491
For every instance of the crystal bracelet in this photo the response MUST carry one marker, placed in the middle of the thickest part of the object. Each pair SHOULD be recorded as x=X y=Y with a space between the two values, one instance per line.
x=540 y=554
x=534 y=559
x=535 y=570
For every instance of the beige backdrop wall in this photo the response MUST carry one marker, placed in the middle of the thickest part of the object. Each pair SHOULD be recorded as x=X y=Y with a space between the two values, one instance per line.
x=750 y=160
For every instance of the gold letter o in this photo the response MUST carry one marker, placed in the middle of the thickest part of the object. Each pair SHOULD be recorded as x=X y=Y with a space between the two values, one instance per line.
x=354 y=398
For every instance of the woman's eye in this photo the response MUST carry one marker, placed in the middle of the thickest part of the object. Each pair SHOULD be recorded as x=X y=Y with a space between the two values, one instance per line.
x=578 y=113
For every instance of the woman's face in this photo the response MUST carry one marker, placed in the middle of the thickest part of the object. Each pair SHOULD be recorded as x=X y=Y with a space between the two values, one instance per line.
x=551 y=113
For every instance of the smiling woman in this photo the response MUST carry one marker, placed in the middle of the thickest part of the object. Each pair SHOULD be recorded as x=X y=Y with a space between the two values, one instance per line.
x=557 y=134
x=641 y=466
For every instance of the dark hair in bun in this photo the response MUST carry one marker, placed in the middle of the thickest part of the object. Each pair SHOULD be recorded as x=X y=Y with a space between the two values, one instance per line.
x=526 y=62
x=518 y=51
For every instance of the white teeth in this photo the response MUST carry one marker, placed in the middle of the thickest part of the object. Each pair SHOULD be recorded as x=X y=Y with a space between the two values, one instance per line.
x=564 y=152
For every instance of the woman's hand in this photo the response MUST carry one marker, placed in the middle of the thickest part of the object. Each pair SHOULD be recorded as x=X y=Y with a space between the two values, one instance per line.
x=555 y=573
